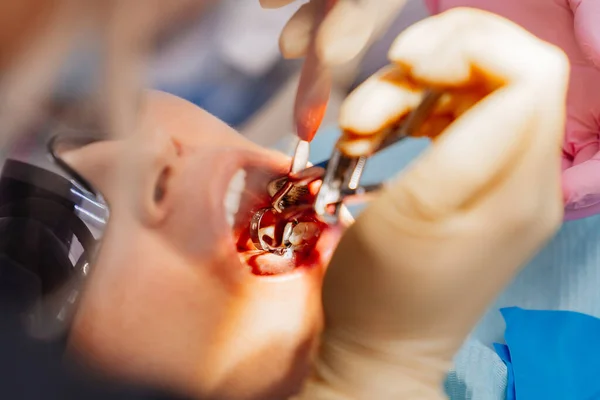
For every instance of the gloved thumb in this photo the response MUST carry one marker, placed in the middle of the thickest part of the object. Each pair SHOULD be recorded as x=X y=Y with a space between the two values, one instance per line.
x=346 y=29
x=581 y=189
x=468 y=161
x=457 y=172
x=587 y=28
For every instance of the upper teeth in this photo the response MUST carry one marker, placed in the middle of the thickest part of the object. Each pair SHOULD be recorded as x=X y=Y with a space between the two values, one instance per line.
x=302 y=232
x=233 y=195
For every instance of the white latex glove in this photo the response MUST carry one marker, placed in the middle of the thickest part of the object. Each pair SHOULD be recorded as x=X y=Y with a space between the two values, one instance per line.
x=348 y=28
x=422 y=263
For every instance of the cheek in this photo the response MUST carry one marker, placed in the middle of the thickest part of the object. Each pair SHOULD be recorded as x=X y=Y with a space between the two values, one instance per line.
x=270 y=343
x=148 y=316
x=192 y=233
x=195 y=225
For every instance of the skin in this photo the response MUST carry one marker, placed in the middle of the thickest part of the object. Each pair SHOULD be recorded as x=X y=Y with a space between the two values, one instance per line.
x=170 y=301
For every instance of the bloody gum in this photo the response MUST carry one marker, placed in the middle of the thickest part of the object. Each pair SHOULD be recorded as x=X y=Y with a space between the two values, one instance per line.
x=304 y=256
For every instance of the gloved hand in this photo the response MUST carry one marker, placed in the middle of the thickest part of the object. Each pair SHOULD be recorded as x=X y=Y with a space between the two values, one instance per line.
x=347 y=29
x=574 y=26
x=422 y=263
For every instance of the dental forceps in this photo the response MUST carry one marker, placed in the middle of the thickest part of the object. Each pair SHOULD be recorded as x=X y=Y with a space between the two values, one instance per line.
x=340 y=177
x=343 y=173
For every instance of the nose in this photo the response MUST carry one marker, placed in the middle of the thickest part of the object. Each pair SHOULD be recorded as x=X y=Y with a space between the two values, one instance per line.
x=156 y=149
x=153 y=157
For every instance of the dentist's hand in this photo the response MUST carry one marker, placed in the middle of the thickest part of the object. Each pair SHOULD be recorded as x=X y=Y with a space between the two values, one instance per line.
x=420 y=266
x=348 y=28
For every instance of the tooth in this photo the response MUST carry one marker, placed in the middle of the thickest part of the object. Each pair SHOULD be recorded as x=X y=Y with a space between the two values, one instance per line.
x=233 y=196
x=303 y=232
x=289 y=254
x=269 y=231
x=295 y=239
x=287 y=231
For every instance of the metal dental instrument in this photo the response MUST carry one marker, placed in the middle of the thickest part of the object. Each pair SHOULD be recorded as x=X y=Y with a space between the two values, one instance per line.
x=313 y=93
x=299 y=163
x=343 y=173
x=340 y=177
x=290 y=208
x=276 y=241
x=314 y=87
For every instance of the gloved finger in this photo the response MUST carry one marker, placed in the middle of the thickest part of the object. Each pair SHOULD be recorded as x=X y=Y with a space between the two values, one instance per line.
x=296 y=34
x=581 y=184
x=352 y=25
x=444 y=51
x=471 y=155
x=388 y=96
x=473 y=152
x=275 y=3
x=343 y=33
x=587 y=30
x=437 y=52
x=346 y=30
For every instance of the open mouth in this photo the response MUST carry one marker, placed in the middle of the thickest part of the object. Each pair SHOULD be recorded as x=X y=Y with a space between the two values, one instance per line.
x=310 y=242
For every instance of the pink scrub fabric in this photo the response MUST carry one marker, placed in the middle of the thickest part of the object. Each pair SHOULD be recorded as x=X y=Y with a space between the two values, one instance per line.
x=574 y=26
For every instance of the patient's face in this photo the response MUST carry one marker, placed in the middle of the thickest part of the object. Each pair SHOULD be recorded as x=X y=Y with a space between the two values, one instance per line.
x=171 y=299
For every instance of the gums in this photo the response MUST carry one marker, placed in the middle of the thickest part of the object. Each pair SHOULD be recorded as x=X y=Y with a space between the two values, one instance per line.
x=305 y=256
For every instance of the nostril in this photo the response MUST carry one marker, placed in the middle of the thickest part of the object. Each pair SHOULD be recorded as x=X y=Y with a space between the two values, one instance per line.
x=160 y=188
